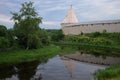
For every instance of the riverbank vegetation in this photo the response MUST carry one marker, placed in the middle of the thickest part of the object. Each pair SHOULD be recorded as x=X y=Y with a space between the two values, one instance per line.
x=96 y=39
x=23 y=55
x=111 y=73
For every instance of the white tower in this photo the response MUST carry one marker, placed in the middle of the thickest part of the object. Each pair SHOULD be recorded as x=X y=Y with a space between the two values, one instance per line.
x=70 y=18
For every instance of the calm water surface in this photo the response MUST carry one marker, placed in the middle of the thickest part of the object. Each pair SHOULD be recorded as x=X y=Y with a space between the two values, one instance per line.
x=56 y=68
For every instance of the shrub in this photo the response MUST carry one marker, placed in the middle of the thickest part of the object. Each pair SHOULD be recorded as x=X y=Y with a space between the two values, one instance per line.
x=101 y=41
x=95 y=34
x=4 y=42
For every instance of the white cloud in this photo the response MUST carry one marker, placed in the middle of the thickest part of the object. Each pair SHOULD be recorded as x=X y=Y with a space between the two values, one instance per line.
x=4 y=18
x=53 y=11
x=8 y=4
x=50 y=23
x=100 y=8
x=55 y=8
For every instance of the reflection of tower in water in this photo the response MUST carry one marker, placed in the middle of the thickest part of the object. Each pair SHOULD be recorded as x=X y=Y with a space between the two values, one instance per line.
x=70 y=65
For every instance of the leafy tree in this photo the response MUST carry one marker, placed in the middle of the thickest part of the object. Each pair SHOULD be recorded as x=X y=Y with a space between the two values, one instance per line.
x=44 y=36
x=4 y=41
x=27 y=26
x=3 y=31
x=11 y=37
x=96 y=34
x=56 y=35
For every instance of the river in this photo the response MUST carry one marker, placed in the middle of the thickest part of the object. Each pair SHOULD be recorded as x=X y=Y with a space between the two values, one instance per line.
x=56 y=68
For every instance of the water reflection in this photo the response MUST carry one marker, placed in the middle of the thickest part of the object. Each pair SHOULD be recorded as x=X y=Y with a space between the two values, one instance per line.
x=90 y=58
x=7 y=72
x=22 y=71
x=69 y=64
x=56 y=68
x=25 y=71
x=97 y=52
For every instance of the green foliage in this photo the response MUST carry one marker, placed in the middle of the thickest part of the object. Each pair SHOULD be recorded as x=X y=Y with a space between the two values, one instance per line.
x=4 y=42
x=78 y=38
x=101 y=40
x=95 y=34
x=109 y=73
x=27 y=26
x=33 y=42
x=23 y=55
x=56 y=35
x=44 y=37
x=11 y=37
x=3 y=31
x=4 y=37
x=95 y=38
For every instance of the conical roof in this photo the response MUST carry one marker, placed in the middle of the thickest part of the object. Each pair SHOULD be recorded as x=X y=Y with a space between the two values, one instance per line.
x=70 y=17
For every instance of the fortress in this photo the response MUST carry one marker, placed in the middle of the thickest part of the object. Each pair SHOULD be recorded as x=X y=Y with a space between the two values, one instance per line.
x=71 y=26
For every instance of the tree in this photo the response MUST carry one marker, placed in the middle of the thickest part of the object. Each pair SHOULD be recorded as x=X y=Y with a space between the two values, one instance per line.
x=45 y=38
x=27 y=25
x=96 y=34
x=4 y=41
x=11 y=37
x=56 y=35
x=3 y=31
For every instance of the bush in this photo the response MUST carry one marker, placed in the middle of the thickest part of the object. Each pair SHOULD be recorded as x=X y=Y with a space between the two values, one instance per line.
x=44 y=37
x=3 y=31
x=4 y=42
x=84 y=39
x=34 y=42
x=101 y=41
x=77 y=38
x=108 y=73
x=95 y=34
x=56 y=35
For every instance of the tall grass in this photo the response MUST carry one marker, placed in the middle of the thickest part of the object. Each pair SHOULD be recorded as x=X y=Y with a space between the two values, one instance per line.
x=111 y=73
x=28 y=55
x=41 y=54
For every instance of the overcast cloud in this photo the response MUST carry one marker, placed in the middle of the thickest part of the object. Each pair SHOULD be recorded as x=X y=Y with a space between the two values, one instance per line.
x=54 y=11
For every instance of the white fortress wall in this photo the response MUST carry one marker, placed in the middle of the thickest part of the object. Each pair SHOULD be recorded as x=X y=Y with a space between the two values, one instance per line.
x=71 y=25
x=76 y=29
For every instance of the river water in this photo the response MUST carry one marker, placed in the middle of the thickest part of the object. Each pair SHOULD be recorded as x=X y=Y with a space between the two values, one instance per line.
x=56 y=68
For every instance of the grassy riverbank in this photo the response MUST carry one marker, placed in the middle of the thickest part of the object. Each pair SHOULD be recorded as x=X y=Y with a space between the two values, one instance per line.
x=111 y=73
x=18 y=56
x=42 y=54
x=87 y=45
x=96 y=39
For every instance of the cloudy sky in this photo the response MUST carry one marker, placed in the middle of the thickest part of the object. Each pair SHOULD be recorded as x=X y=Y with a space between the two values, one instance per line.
x=54 y=11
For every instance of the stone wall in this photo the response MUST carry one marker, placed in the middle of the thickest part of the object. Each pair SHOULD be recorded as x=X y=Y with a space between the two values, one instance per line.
x=76 y=29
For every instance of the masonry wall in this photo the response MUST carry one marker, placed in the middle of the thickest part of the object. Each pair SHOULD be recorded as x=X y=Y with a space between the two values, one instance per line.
x=89 y=28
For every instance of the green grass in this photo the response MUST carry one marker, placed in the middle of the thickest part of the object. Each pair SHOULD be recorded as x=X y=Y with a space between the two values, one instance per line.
x=111 y=73
x=88 y=45
x=18 y=56
x=42 y=54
